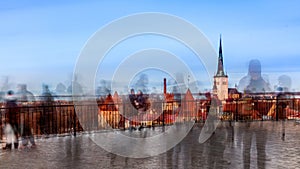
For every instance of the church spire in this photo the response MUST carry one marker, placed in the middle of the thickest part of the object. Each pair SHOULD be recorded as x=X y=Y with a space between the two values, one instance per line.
x=221 y=79
x=220 y=71
x=220 y=47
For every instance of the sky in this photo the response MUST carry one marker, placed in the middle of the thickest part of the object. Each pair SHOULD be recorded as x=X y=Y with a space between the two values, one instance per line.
x=41 y=40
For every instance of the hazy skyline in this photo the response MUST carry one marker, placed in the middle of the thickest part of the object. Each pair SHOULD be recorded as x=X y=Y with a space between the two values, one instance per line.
x=40 y=41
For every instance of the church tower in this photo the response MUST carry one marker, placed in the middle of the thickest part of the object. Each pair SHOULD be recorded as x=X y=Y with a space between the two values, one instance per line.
x=220 y=87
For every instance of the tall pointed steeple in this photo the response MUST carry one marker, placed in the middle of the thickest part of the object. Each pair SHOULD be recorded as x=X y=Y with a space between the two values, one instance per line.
x=220 y=71
x=220 y=47
x=221 y=79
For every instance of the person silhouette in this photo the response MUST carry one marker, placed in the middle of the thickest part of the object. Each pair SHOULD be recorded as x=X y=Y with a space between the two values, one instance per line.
x=284 y=83
x=133 y=98
x=281 y=108
x=103 y=90
x=24 y=97
x=48 y=115
x=142 y=83
x=12 y=126
x=254 y=81
x=284 y=108
x=46 y=96
x=259 y=132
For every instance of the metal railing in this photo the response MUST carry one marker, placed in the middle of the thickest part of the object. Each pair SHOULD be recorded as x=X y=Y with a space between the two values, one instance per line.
x=262 y=109
x=43 y=119
x=60 y=118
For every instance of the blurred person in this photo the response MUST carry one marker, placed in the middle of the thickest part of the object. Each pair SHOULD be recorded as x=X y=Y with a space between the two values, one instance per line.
x=133 y=111
x=60 y=91
x=154 y=100
x=75 y=86
x=281 y=109
x=11 y=129
x=142 y=83
x=284 y=108
x=284 y=82
x=141 y=106
x=48 y=115
x=24 y=95
x=102 y=90
x=177 y=93
x=258 y=131
x=133 y=98
x=11 y=137
x=46 y=95
x=254 y=82
x=26 y=135
x=141 y=101
x=216 y=146
x=284 y=85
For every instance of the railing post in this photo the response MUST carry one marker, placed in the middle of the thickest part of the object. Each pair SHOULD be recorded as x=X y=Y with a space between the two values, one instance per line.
x=74 y=123
x=124 y=116
x=236 y=110
x=277 y=118
x=163 y=119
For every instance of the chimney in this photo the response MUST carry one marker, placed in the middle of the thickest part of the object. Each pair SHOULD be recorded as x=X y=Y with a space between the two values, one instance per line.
x=165 y=86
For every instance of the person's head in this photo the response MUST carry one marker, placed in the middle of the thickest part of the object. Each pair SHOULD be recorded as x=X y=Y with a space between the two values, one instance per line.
x=254 y=69
x=10 y=92
x=45 y=87
x=285 y=82
x=140 y=92
x=207 y=95
x=10 y=96
x=132 y=91
x=279 y=89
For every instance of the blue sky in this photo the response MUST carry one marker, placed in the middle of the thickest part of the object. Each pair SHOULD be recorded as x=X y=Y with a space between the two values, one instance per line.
x=40 y=41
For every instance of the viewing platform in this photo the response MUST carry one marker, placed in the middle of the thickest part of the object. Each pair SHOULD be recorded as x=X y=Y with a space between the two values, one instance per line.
x=225 y=149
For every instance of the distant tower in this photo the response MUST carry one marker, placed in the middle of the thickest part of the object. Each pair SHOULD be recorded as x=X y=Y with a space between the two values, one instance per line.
x=221 y=79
